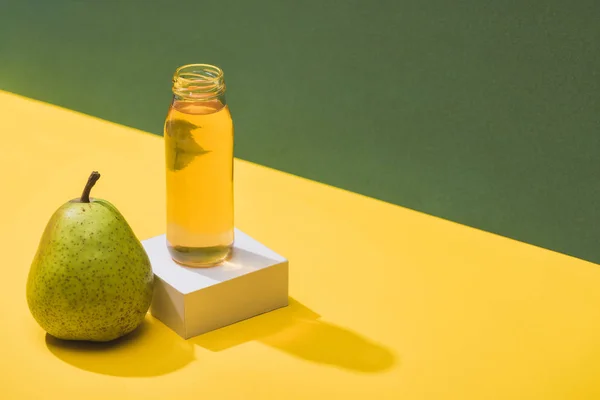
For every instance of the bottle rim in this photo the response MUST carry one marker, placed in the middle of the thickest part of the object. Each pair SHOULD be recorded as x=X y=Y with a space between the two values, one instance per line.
x=198 y=81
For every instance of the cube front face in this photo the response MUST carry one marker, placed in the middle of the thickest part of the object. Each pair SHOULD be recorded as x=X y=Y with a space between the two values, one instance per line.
x=235 y=300
x=192 y=301
x=168 y=306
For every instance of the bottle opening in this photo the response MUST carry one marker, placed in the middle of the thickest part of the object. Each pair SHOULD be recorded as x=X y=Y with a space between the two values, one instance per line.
x=198 y=82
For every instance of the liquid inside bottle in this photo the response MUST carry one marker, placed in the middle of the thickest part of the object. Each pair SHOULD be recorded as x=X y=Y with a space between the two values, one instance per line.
x=199 y=156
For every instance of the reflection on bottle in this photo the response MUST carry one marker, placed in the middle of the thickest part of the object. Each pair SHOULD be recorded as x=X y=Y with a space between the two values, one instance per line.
x=198 y=138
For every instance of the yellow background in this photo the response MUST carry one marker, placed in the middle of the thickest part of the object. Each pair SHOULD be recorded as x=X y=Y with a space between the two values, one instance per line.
x=386 y=302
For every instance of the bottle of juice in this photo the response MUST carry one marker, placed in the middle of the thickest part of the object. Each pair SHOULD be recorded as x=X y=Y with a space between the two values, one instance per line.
x=198 y=136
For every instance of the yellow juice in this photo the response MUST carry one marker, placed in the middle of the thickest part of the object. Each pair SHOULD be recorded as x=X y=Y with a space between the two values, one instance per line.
x=199 y=156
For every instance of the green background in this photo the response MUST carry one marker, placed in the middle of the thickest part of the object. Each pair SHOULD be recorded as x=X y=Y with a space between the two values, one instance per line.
x=482 y=112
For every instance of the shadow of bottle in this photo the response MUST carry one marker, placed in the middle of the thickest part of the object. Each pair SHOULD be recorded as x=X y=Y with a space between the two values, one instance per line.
x=151 y=350
x=298 y=331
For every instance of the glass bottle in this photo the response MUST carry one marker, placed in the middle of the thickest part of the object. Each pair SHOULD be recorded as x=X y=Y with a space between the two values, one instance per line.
x=198 y=136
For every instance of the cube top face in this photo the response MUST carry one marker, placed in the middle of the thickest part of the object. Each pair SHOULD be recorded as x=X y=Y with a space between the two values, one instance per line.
x=248 y=256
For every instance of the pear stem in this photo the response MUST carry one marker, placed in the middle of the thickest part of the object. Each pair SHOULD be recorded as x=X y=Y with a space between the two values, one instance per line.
x=85 y=196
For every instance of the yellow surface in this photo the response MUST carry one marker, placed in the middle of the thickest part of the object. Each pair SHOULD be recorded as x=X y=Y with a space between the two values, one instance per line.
x=387 y=302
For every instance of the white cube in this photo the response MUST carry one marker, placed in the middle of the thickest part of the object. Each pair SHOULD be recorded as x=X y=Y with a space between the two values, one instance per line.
x=192 y=301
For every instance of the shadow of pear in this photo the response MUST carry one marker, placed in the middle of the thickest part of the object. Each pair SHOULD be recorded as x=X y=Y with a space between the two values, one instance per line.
x=299 y=332
x=151 y=350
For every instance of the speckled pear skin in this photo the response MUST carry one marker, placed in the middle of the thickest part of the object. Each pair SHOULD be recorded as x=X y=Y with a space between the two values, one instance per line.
x=90 y=278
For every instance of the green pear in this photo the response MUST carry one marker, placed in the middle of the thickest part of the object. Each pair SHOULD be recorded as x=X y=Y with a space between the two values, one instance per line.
x=90 y=278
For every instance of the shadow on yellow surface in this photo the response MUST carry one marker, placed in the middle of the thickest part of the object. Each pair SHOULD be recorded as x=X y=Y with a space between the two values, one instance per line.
x=153 y=349
x=150 y=350
x=298 y=331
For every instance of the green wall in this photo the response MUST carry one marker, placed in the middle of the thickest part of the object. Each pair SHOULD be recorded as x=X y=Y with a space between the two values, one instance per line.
x=482 y=112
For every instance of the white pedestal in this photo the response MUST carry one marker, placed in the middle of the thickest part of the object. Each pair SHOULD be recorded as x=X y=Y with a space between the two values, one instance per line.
x=192 y=301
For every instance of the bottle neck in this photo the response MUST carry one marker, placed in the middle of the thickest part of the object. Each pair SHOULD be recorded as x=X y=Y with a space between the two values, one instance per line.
x=198 y=82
